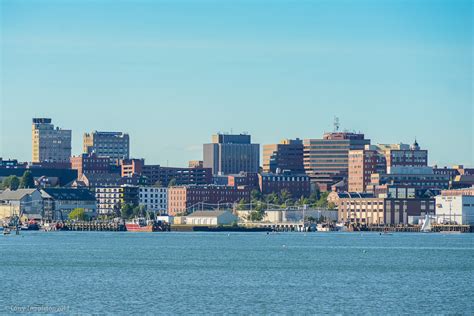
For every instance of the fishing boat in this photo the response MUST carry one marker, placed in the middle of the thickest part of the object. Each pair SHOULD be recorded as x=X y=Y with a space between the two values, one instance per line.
x=142 y=225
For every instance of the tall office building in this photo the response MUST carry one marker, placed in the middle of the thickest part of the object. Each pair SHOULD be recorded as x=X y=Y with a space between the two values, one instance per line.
x=326 y=159
x=231 y=154
x=285 y=156
x=49 y=144
x=362 y=164
x=115 y=145
x=403 y=155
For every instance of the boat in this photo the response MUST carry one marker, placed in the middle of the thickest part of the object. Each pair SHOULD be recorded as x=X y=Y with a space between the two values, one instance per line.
x=427 y=227
x=6 y=231
x=323 y=228
x=341 y=227
x=143 y=225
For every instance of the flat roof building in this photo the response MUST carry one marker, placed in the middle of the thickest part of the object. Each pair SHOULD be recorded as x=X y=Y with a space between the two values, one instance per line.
x=326 y=159
x=231 y=154
x=115 y=145
x=285 y=156
x=49 y=144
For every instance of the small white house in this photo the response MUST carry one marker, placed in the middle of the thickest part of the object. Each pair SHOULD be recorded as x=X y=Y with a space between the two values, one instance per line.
x=211 y=218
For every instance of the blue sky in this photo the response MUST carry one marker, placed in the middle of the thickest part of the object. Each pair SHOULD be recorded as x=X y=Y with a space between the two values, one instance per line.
x=171 y=73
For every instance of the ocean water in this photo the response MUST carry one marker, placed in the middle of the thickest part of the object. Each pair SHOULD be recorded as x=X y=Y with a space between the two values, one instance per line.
x=237 y=273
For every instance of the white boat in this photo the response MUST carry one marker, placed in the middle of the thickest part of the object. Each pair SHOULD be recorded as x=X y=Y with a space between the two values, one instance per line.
x=323 y=228
x=341 y=227
x=427 y=227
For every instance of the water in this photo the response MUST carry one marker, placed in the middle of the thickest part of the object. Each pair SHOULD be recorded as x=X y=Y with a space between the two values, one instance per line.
x=240 y=273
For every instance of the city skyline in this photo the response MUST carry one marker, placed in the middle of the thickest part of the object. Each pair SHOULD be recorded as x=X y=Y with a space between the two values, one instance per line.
x=279 y=72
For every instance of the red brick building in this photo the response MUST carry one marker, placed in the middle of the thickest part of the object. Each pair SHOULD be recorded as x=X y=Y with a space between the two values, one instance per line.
x=297 y=185
x=90 y=164
x=157 y=173
x=181 y=198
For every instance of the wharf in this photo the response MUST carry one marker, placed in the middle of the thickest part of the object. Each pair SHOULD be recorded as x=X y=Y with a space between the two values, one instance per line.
x=95 y=226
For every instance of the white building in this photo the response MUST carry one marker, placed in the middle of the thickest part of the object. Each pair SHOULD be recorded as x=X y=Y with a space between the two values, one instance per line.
x=211 y=218
x=456 y=206
x=153 y=198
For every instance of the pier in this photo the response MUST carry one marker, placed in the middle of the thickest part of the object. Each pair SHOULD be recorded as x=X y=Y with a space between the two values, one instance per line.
x=102 y=226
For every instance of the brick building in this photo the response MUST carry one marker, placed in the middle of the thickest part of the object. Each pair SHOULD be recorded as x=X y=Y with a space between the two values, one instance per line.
x=297 y=185
x=198 y=197
x=158 y=174
x=90 y=163
x=285 y=156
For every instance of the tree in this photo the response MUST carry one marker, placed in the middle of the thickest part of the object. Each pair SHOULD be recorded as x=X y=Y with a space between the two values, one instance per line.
x=172 y=183
x=78 y=214
x=139 y=211
x=11 y=182
x=126 y=211
x=242 y=205
x=256 y=195
x=255 y=216
x=27 y=181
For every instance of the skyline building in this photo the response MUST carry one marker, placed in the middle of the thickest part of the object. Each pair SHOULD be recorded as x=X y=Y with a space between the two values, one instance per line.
x=326 y=160
x=49 y=144
x=231 y=154
x=285 y=156
x=115 y=145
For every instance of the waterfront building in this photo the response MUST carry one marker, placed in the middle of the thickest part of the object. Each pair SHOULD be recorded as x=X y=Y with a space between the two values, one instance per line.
x=111 y=199
x=90 y=163
x=115 y=145
x=59 y=202
x=182 y=199
x=297 y=185
x=456 y=206
x=21 y=201
x=231 y=154
x=48 y=143
x=153 y=198
x=326 y=160
x=367 y=209
x=285 y=156
x=211 y=218
x=156 y=174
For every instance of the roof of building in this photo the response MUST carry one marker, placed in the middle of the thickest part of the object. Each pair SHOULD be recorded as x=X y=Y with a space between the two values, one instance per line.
x=15 y=195
x=69 y=194
x=208 y=213
x=354 y=195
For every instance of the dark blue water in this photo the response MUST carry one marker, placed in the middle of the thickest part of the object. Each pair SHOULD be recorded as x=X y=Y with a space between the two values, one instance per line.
x=201 y=273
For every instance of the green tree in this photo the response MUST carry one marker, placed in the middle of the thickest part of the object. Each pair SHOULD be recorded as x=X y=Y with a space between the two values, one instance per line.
x=78 y=214
x=255 y=216
x=172 y=183
x=256 y=195
x=126 y=211
x=242 y=205
x=139 y=211
x=27 y=181
x=285 y=197
x=11 y=182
